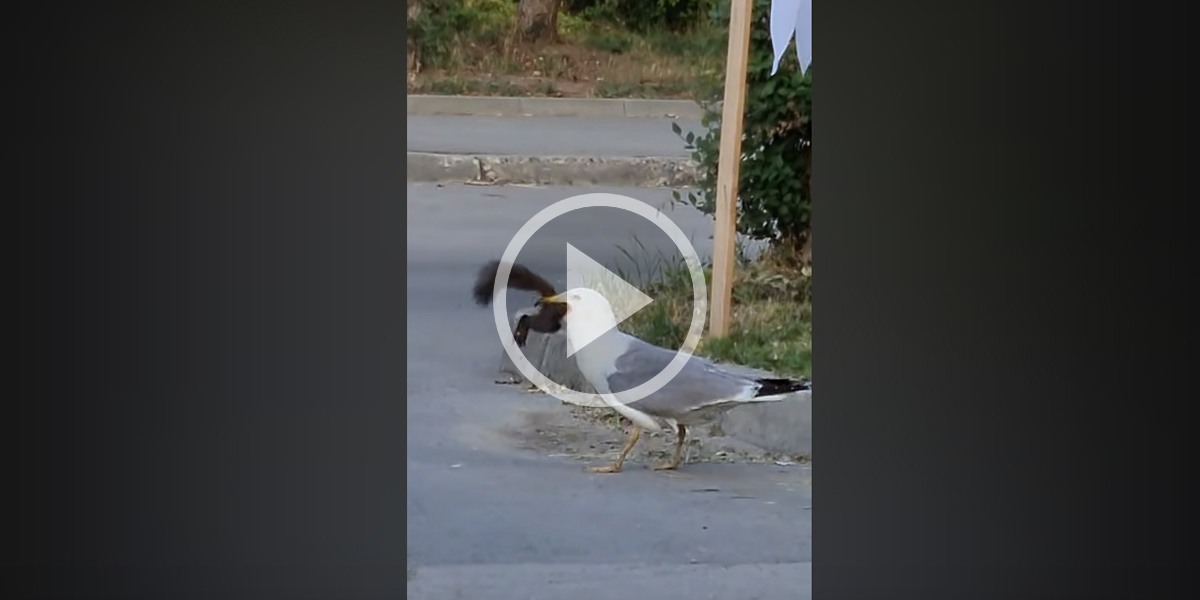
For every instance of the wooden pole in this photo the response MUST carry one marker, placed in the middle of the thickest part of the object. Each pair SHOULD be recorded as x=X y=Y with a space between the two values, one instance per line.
x=728 y=163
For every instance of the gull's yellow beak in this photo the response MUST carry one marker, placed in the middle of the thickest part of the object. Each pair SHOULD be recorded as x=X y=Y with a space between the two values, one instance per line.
x=556 y=299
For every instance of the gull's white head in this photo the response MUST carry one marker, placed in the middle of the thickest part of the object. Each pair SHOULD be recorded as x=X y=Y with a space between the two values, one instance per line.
x=588 y=315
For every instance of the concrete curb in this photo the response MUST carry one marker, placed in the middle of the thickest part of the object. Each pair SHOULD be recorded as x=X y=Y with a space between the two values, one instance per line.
x=784 y=427
x=643 y=172
x=505 y=106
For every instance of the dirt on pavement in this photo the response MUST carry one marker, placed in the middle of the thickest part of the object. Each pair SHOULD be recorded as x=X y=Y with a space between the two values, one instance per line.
x=598 y=434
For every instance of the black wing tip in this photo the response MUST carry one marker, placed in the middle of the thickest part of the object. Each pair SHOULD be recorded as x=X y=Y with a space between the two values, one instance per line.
x=776 y=387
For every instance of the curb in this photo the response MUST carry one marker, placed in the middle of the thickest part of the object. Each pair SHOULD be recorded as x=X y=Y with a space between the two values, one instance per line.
x=784 y=427
x=507 y=106
x=641 y=172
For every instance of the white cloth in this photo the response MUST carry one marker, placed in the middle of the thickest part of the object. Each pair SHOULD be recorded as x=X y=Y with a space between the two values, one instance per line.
x=791 y=19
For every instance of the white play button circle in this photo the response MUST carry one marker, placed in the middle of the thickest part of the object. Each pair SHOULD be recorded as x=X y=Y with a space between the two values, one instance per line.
x=584 y=272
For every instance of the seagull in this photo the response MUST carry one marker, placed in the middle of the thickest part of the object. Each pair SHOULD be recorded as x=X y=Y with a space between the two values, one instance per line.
x=615 y=362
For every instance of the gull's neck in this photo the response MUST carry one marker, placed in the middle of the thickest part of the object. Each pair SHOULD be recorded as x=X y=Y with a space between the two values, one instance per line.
x=597 y=358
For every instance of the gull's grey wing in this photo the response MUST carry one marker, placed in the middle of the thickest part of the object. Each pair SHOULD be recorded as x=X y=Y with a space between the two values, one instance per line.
x=700 y=382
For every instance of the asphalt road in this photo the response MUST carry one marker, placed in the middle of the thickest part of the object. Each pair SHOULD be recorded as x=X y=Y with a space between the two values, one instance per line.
x=487 y=519
x=547 y=136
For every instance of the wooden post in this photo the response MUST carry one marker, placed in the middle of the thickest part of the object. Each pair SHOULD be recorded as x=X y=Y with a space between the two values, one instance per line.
x=728 y=166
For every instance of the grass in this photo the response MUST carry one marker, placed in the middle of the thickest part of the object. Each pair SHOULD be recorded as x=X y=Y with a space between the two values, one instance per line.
x=771 y=320
x=474 y=53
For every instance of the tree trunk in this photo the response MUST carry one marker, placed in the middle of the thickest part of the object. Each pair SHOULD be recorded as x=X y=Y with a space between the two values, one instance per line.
x=537 y=20
x=414 y=50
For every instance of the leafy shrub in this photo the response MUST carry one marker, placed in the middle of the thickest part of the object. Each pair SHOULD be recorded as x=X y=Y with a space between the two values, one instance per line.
x=645 y=15
x=773 y=185
x=609 y=41
x=440 y=28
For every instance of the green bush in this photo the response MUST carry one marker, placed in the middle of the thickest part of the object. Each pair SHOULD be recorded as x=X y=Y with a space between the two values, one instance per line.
x=773 y=192
x=442 y=27
x=645 y=15
x=613 y=42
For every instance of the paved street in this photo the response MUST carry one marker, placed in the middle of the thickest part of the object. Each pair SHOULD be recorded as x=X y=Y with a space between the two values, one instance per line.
x=547 y=136
x=489 y=517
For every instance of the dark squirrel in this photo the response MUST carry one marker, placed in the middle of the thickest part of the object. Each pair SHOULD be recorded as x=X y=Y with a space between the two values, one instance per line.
x=548 y=318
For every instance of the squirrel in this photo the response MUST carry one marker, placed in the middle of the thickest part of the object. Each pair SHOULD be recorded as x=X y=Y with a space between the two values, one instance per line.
x=548 y=319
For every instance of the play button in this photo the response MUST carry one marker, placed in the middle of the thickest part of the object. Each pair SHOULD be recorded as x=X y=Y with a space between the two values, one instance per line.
x=626 y=299
x=584 y=272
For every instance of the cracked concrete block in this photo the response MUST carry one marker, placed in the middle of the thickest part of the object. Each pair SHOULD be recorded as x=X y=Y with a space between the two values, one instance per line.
x=784 y=427
x=428 y=166
x=648 y=171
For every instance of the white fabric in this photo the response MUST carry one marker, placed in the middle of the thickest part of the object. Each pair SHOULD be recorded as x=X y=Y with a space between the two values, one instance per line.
x=791 y=19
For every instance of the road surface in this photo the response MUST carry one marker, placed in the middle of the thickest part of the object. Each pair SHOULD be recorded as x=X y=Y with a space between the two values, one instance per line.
x=547 y=136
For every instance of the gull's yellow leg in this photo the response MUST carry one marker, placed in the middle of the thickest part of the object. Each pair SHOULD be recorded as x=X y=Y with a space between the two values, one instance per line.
x=616 y=466
x=674 y=463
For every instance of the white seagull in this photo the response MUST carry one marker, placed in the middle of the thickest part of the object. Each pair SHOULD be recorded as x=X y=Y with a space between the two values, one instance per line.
x=615 y=362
